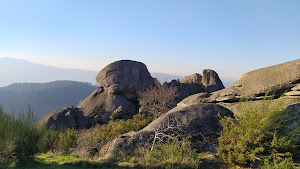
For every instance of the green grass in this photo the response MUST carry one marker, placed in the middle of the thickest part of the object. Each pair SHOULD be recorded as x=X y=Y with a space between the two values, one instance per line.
x=60 y=161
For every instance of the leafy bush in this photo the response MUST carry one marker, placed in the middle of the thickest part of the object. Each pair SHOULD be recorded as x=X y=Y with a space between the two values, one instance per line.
x=20 y=138
x=173 y=154
x=260 y=132
x=286 y=163
x=107 y=132
x=50 y=137
x=66 y=140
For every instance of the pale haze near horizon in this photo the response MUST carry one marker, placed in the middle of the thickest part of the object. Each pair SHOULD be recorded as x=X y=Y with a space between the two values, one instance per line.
x=170 y=36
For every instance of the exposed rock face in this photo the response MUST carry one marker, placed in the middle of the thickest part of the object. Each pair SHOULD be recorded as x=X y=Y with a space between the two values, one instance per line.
x=102 y=103
x=194 y=99
x=69 y=117
x=195 y=83
x=117 y=95
x=184 y=89
x=125 y=77
x=200 y=121
x=276 y=79
x=295 y=91
x=194 y=78
x=211 y=81
x=296 y=88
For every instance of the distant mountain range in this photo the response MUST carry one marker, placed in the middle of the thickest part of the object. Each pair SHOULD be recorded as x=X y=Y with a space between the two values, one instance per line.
x=20 y=71
x=43 y=98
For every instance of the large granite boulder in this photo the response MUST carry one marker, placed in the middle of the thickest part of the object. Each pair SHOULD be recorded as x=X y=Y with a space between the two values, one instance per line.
x=125 y=77
x=201 y=121
x=115 y=99
x=276 y=80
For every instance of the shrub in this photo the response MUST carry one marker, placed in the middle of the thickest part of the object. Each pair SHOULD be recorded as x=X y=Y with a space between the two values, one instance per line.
x=158 y=100
x=107 y=132
x=67 y=139
x=172 y=154
x=50 y=137
x=260 y=132
x=285 y=163
x=20 y=138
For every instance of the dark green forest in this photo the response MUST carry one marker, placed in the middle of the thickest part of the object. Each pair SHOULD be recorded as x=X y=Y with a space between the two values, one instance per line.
x=43 y=98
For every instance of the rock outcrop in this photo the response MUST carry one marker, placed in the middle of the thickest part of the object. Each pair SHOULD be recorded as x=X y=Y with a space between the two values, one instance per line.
x=116 y=98
x=211 y=81
x=69 y=117
x=195 y=83
x=295 y=91
x=275 y=80
x=185 y=89
x=125 y=77
x=282 y=79
x=194 y=78
x=200 y=121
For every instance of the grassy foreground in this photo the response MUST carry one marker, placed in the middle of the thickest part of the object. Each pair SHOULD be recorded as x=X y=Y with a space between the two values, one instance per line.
x=59 y=161
x=63 y=161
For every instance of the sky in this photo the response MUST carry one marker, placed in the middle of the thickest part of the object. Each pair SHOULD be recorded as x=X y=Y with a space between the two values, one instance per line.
x=178 y=37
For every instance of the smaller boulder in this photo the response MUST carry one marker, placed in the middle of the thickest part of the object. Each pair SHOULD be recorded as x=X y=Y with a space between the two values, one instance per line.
x=211 y=81
x=194 y=78
x=185 y=89
x=69 y=117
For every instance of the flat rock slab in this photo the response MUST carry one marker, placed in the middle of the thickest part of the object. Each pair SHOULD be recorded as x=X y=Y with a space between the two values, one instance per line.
x=296 y=88
x=293 y=93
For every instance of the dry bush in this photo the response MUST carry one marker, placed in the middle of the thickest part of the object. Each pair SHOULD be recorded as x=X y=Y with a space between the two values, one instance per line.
x=158 y=100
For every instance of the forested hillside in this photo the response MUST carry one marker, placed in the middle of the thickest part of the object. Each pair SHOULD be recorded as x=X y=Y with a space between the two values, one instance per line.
x=43 y=97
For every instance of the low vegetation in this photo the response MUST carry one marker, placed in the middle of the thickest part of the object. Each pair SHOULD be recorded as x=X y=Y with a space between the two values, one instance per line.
x=172 y=154
x=20 y=138
x=261 y=135
x=158 y=100
x=107 y=132
x=98 y=136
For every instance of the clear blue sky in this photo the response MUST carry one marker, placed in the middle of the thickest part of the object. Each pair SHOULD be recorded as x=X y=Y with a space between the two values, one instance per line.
x=172 y=36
